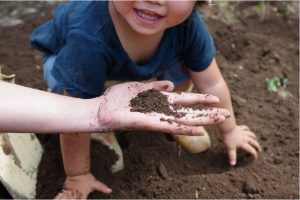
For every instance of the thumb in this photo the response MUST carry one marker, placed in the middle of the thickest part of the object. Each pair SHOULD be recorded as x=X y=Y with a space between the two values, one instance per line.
x=232 y=156
x=162 y=85
x=101 y=187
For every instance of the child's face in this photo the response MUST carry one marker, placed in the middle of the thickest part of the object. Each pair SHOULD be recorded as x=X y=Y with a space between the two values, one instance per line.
x=152 y=17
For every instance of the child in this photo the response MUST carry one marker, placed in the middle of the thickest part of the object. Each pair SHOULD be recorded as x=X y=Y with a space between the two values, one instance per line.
x=89 y=43
x=43 y=112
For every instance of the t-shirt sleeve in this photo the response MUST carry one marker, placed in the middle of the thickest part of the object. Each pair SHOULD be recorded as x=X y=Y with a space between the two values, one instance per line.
x=81 y=65
x=48 y=38
x=200 y=49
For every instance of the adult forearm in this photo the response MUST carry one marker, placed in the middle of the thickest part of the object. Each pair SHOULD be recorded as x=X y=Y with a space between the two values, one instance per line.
x=29 y=110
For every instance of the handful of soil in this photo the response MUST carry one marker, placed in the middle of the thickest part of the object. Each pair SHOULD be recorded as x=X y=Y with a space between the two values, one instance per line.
x=154 y=101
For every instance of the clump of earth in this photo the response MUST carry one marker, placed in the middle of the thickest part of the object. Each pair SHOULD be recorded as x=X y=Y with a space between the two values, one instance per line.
x=153 y=100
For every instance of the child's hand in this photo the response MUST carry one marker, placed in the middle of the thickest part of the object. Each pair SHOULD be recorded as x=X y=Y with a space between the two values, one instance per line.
x=240 y=137
x=114 y=111
x=79 y=187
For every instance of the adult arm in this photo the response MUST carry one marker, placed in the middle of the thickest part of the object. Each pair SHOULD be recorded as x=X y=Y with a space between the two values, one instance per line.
x=29 y=110
x=24 y=109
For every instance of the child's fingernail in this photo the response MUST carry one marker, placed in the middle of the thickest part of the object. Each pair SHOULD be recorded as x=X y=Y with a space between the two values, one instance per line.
x=232 y=162
x=107 y=190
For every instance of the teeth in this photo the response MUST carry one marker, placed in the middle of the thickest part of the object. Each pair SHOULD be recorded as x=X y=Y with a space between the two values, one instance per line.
x=146 y=16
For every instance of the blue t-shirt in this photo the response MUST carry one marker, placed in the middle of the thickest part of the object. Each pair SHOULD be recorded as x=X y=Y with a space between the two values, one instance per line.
x=89 y=52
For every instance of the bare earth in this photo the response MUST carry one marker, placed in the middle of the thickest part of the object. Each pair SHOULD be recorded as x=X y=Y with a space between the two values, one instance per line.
x=249 y=51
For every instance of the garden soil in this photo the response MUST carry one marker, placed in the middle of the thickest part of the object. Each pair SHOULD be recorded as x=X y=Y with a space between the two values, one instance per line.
x=249 y=51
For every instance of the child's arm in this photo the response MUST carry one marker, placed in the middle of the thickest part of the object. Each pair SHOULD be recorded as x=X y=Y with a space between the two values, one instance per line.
x=211 y=82
x=29 y=110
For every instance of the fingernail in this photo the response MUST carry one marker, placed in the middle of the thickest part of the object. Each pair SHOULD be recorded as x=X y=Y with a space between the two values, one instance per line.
x=232 y=162
x=108 y=190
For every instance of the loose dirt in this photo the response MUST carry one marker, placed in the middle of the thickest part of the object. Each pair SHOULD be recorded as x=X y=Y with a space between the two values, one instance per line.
x=248 y=51
x=154 y=101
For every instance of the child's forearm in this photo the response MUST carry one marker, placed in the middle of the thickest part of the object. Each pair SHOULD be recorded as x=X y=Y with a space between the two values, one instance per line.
x=220 y=89
x=29 y=110
x=212 y=82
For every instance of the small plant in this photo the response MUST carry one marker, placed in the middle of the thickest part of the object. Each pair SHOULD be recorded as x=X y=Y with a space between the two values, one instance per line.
x=262 y=9
x=289 y=8
x=227 y=9
x=286 y=10
x=275 y=83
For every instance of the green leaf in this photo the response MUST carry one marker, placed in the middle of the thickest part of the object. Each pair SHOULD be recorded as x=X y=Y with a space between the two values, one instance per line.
x=273 y=84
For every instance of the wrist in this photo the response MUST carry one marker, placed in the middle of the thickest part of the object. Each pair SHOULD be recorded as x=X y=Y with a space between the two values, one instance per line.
x=95 y=120
x=227 y=127
x=72 y=175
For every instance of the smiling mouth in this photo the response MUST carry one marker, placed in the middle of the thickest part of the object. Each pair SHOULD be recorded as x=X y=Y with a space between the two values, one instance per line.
x=148 y=15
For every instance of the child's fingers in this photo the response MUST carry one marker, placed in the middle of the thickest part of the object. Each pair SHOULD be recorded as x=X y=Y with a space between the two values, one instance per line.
x=250 y=149
x=101 y=187
x=247 y=129
x=244 y=127
x=191 y=98
x=255 y=144
x=232 y=156
x=252 y=135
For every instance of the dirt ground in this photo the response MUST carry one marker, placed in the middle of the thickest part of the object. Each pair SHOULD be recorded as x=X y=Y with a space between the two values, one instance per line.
x=249 y=51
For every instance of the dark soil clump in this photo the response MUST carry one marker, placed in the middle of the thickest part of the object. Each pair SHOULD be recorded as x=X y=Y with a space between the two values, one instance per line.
x=154 y=101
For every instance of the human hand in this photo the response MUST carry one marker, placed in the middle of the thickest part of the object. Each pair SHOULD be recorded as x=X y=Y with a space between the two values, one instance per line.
x=240 y=137
x=79 y=187
x=115 y=111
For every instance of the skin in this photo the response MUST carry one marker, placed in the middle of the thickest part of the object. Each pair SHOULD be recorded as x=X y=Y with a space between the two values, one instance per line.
x=135 y=33
x=116 y=100
x=211 y=81
x=44 y=112
x=140 y=26
x=29 y=110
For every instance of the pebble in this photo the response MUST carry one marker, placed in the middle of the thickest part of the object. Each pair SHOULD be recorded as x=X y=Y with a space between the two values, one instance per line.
x=163 y=171
x=249 y=188
x=10 y=22
x=239 y=100
x=277 y=160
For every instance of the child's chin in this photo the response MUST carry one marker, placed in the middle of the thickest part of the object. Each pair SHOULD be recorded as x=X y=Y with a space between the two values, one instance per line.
x=146 y=31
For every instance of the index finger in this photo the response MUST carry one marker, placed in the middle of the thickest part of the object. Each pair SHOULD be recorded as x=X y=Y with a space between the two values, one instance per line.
x=232 y=156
